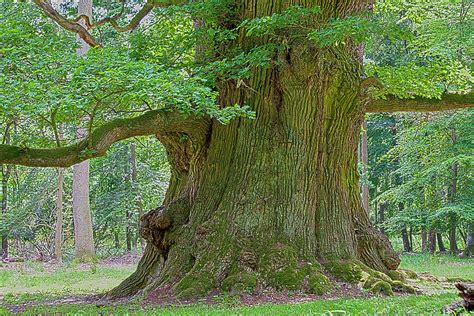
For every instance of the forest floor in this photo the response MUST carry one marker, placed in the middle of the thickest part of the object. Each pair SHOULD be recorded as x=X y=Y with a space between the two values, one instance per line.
x=47 y=288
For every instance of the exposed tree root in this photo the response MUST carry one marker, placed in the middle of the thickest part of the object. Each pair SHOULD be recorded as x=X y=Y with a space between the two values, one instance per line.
x=370 y=279
x=278 y=267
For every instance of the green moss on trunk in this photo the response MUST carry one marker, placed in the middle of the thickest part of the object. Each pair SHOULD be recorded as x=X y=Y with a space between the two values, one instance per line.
x=266 y=197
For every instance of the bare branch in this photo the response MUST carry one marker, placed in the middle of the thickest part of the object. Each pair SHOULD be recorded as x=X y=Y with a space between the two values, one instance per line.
x=156 y=122
x=420 y=104
x=147 y=8
x=135 y=22
x=72 y=26
x=83 y=32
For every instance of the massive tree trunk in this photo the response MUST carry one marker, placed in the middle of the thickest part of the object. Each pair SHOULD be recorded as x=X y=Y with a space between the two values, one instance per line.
x=269 y=194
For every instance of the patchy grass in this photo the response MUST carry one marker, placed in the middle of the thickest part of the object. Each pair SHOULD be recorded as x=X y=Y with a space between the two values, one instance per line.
x=33 y=277
x=374 y=306
x=38 y=283
x=439 y=265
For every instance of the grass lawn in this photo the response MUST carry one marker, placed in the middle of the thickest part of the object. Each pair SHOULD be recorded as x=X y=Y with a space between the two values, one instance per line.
x=36 y=282
x=440 y=265
x=34 y=277
x=414 y=305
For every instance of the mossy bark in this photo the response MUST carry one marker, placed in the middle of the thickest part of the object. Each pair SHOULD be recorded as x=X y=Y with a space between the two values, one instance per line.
x=267 y=198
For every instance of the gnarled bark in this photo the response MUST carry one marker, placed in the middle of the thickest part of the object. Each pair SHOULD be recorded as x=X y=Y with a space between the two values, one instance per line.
x=283 y=185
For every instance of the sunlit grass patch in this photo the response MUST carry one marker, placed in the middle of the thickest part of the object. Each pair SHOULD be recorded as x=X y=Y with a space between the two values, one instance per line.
x=416 y=305
x=39 y=286
x=69 y=279
x=440 y=265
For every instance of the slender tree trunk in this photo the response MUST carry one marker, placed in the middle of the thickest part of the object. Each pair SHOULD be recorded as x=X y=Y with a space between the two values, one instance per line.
x=5 y=176
x=83 y=235
x=424 y=241
x=84 y=8
x=406 y=240
x=411 y=238
x=469 y=250
x=382 y=207
x=5 y=172
x=441 y=247
x=463 y=234
x=116 y=240
x=257 y=197
x=128 y=212
x=432 y=241
x=376 y=214
x=453 y=247
x=58 y=233
x=133 y=163
x=128 y=233
x=364 y=157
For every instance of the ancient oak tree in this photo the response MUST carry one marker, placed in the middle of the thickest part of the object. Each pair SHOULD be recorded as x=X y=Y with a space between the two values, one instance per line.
x=265 y=199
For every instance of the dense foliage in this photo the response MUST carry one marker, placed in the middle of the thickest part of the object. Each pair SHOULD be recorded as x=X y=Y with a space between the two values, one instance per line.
x=414 y=162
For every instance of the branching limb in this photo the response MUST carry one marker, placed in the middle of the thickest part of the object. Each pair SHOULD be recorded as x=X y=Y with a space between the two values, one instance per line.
x=420 y=104
x=147 y=8
x=65 y=23
x=156 y=122
x=135 y=22
x=83 y=32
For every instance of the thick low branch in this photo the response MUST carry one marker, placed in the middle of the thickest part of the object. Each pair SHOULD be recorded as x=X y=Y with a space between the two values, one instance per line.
x=420 y=104
x=156 y=122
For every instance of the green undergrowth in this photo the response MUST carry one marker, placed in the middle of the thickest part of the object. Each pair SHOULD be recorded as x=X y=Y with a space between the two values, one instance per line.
x=416 y=305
